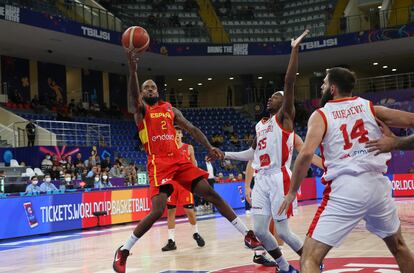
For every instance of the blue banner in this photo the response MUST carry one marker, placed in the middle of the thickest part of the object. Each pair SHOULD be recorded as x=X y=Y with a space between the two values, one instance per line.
x=32 y=215
x=232 y=192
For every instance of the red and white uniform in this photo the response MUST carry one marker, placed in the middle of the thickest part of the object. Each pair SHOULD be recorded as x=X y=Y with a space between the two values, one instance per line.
x=356 y=188
x=180 y=195
x=166 y=163
x=271 y=162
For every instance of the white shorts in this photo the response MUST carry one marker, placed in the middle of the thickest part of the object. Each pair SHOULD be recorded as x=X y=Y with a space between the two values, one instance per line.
x=268 y=193
x=349 y=199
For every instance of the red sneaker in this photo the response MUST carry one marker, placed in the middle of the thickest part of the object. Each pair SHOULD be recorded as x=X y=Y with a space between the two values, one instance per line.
x=120 y=258
x=251 y=241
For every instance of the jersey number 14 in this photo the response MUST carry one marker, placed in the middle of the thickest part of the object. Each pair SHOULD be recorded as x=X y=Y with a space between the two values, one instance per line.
x=358 y=132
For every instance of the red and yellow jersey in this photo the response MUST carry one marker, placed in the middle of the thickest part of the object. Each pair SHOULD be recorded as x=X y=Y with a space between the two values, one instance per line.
x=157 y=132
x=185 y=151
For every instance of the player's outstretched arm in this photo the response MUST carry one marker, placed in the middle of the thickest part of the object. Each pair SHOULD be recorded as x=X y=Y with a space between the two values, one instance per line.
x=316 y=129
x=200 y=137
x=245 y=155
x=316 y=160
x=389 y=141
x=394 y=118
x=135 y=103
x=288 y=108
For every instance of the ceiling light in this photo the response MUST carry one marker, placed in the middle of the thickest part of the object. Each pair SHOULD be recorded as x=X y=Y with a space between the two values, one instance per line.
x=231 y=78
x=379 y=7
x=374 y=63
x=385 y=66
x=165 y=84
x=199 y=84
x=209 y=79
x=190 y=88
x=260 y=77
x=180 y=80
x=297 y=73
x=394 y=69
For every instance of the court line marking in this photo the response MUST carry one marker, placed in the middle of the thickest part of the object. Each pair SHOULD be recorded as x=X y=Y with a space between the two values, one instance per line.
x=372 y=265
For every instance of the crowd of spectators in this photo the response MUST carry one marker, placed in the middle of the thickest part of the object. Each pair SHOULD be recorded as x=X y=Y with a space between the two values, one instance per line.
x=80 y=173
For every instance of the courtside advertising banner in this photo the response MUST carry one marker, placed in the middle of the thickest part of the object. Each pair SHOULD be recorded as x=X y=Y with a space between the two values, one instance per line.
x=30 y=215
x=403 y=185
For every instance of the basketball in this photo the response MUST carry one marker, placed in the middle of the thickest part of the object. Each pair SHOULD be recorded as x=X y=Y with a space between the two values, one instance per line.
x=135 y=39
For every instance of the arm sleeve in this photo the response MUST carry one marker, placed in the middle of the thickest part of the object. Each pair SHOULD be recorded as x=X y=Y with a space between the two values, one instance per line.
x=241 y=156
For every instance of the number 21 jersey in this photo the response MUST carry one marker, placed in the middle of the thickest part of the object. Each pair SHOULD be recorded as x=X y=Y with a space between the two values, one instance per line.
x=350 y=123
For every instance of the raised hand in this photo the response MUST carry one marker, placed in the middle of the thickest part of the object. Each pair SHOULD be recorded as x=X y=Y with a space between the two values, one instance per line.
x=132 y=61
x=385 y=144
x=215 y=154
x=286 y=203
x=296 y=42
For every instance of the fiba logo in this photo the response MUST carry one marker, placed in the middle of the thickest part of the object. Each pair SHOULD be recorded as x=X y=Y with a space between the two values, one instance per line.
x=163 y=137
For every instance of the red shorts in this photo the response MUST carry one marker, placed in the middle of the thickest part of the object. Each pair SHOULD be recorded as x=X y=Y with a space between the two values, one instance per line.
x=180 y=196
x=172 y=169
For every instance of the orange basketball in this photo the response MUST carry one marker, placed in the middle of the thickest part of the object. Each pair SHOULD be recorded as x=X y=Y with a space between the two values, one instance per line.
x=135 y=39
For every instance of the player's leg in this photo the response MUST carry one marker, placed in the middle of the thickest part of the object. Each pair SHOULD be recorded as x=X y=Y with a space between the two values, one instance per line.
x=171 y=229
x=159 y=202
x=273 y=230
x=400 y=251
x=202 y=188
x=276 y=196
x=189 y=210
x=382 y=219
x=313 y=254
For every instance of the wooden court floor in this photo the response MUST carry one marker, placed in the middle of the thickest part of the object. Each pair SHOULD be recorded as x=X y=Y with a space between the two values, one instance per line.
x=92 y=250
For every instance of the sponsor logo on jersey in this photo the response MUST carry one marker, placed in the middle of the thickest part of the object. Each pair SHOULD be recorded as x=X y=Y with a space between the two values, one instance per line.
x=165 y=180
x=345 y=113
x=164 y=137
x=161 y=115
x=354 y=153
x=264 y=131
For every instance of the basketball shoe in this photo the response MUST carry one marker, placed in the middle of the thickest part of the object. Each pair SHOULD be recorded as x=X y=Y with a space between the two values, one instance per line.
x=263 y=260
x=169 y=246
x=290 y=270
x=120 y=258
x=251 y=241
x=199 y=239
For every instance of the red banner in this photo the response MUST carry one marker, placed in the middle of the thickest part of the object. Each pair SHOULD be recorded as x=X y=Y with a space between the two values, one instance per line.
x=307 y=190
x=403 y=185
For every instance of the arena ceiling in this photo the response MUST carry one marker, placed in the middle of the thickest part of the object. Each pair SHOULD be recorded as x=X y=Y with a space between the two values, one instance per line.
x=49 y=46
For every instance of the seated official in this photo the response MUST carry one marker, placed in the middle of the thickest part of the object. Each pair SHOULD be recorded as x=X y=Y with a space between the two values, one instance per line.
x=47 y=185
x=33 y=187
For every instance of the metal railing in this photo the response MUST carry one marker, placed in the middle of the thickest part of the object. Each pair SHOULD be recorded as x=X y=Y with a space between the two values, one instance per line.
x=66 y=133
x=386 y=82
x=73 y=10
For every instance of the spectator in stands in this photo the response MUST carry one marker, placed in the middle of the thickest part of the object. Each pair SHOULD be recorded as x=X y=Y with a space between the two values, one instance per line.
x=97 y=184
x=93 y=172
x=90 y=162
x=130 y=174
x=33 y=187
x=228 y=165
x=105 y=180
x=234 y=139
x=116 y=170
x=248 y=137
x=97 y=160
x=16 y=97
x=227 y=128
x=220 y=178
x=35 y=104
x=31 y=133
x=54 y=173
x=231 y=178
x=46 y=164
x=69 y=183
x=80 y=110
x=47 y=185
x=78 y=158
x=55 y=161
x=78 y=170
x=239 y=177
x=106 y=164
x=72 y=106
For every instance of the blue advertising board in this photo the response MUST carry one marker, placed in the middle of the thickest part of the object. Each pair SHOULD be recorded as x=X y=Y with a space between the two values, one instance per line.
x=233 y=193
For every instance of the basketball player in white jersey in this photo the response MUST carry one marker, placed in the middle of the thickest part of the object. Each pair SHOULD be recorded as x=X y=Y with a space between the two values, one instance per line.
x=272 y=153
x=356 y=188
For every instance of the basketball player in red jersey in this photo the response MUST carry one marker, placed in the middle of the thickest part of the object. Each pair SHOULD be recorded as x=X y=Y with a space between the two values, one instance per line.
x=183 y=197
x=356 y=188
x=166 y=164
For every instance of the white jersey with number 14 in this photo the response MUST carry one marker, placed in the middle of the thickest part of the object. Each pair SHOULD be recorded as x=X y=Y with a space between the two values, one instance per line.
x=350 y=123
